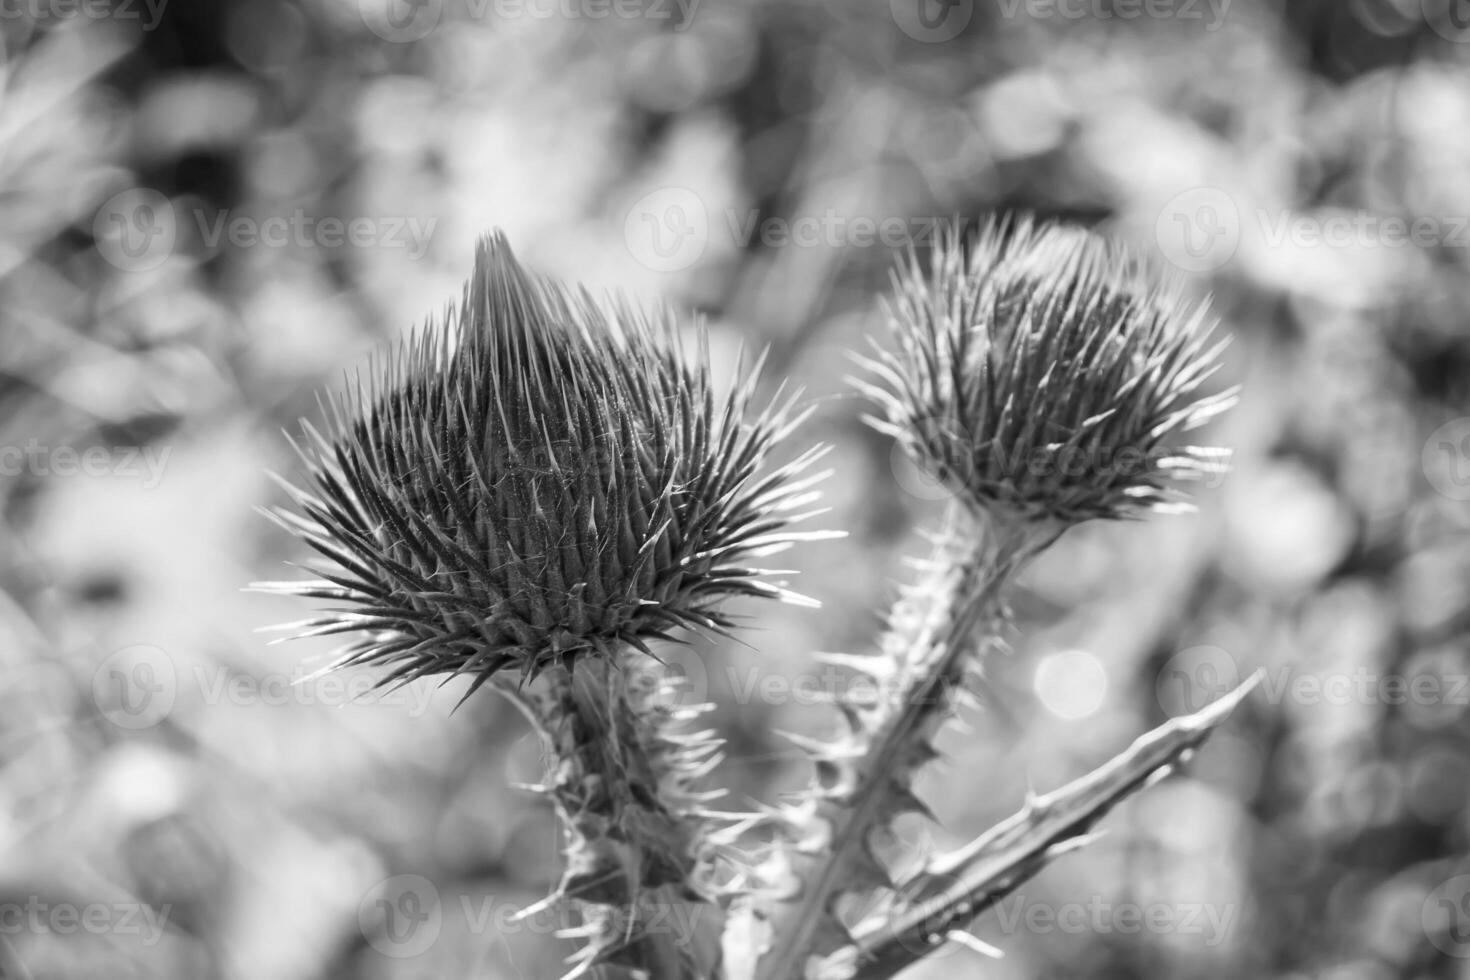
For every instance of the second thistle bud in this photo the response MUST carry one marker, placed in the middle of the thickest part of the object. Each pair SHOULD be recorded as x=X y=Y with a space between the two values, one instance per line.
x=1041 y=372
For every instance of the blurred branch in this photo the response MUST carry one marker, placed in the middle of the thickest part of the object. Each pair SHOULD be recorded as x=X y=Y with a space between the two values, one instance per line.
x=11 y=968
x=955 y=889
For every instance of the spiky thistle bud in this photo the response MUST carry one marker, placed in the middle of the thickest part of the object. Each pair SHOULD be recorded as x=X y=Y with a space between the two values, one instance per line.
x=1040 y=373
x=538 y=478
x=1037 y=374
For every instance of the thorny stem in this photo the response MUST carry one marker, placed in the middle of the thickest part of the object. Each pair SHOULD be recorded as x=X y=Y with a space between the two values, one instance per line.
x=933 y=637
x=630 y=853
x=954 y=890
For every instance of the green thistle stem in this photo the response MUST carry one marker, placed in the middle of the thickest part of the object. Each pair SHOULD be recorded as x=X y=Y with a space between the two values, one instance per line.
x=953 y=890
x=864 y=781
x=636 y=835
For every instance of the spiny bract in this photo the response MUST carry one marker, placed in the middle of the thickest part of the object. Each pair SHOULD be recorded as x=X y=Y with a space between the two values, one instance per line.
x=538 y=478
x=1039 y=372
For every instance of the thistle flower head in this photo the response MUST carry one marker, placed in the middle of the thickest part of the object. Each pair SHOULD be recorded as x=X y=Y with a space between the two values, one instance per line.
x=537 y=478
x=1040 y=372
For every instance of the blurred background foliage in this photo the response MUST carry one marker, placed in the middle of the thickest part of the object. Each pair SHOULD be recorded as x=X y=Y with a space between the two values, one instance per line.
x=1328 y=830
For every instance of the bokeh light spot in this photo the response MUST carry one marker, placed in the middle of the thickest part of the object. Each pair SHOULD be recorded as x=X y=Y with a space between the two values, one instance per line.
x=1071 y=684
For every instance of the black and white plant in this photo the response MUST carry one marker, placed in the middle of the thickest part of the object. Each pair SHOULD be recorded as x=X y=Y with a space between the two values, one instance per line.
x=542 y=488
